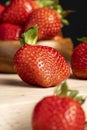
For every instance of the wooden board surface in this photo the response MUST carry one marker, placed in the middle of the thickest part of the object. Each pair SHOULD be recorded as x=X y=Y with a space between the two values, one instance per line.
x=17 y=100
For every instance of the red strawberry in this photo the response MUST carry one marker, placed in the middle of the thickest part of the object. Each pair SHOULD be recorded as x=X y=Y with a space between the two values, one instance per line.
x=10 y=31
x=40 y=65
x=48 y=21
x=79 y=61
x=58 y=113
x=2 y=8
x=17 y=11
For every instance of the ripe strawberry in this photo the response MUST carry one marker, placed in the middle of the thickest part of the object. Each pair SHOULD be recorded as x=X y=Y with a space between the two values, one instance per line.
x=40 y=65
x=17 y=11
x=79 y=61
x=48 y=21
x=2 y=7
x=10 y=31
x=58 y=113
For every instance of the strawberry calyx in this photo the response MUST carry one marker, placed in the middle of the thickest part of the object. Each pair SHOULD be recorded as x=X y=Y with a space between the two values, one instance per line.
x=30 y=36
x=46 y=3
x=64 y=91
x=82 y=39
x=7 y=2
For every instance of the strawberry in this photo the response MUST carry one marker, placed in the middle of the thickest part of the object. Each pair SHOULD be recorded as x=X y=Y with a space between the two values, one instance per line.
x=56 y=112
x=2 y=8
x=48 y=21
x=40 y=65
x=79 y=61
x=10 y=31
x=17 y=11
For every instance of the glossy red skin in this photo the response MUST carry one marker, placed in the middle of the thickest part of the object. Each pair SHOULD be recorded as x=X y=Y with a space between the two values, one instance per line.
x=17 y=11
x=56 y=113
x=10 y=31
x=48 y=21
x=2 y=8
x=79 y=61
x=40 y=65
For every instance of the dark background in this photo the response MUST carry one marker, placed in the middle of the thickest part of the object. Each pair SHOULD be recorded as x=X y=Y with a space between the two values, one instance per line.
x=3 y=1
x=78 y=20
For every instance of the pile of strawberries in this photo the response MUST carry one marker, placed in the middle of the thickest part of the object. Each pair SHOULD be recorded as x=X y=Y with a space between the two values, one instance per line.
x=19 y=15
x=42 y=65
x=37 y=65
x=15 y=20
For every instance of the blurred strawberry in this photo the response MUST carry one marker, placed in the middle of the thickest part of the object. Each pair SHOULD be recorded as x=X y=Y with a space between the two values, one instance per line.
x=17 y=11
x=2 y=8
x=48 y=21
x=59 y=112
x=79 y=61
x=40 y=65
x=10 y=31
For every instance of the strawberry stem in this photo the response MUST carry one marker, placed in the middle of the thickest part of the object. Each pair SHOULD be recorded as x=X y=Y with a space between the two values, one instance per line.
x=30 y=36
x=63 y=91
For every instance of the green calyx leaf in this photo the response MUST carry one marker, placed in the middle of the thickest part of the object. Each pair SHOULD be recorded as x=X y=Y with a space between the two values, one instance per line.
x=82 y=39
x=30 y=36
x=65 y=22
x=48 y=3
x=7 y=3
x=63 y=91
